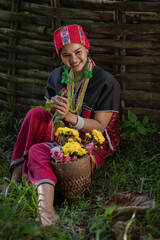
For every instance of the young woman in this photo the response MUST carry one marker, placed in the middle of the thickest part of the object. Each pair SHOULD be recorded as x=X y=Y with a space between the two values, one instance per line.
x=92 y=103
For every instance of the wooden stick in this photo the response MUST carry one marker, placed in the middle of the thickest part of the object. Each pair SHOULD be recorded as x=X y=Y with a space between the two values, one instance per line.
x=112 y=6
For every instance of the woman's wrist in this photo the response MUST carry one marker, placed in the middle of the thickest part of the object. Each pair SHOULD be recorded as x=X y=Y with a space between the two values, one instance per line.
x=76 y=121
x=80 y=123
x=72 y=118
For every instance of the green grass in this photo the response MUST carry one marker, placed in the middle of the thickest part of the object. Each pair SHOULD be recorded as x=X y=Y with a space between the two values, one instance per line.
x=135 y=165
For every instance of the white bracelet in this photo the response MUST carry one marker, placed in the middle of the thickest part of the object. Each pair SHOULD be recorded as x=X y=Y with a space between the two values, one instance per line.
x=79 y=124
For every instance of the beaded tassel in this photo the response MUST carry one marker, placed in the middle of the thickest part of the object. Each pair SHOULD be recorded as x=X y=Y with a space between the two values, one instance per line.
x=70 y=87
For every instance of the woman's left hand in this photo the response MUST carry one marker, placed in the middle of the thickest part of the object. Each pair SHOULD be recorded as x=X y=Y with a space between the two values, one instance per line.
x=62 y=106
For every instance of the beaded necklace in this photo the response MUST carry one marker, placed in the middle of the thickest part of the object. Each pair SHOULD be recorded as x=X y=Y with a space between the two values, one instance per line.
x=75 y=107
x=66 y=76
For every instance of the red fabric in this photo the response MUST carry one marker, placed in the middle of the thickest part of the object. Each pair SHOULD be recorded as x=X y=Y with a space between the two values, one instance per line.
x=114 y=134
x=69 y=34
x=39 y=167
x=36 y=130
x=35 y=141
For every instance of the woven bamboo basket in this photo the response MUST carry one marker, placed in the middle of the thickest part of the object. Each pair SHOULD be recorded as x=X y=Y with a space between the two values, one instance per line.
x=74 y=177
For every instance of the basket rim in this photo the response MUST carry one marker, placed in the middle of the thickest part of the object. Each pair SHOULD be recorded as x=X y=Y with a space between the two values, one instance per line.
x=71 y=162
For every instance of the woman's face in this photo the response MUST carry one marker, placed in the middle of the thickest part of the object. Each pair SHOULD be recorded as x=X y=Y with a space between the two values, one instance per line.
x=74 y=56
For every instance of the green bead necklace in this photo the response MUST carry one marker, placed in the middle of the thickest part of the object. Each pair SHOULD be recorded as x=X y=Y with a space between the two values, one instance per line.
x=66 y=77
x=75 y=107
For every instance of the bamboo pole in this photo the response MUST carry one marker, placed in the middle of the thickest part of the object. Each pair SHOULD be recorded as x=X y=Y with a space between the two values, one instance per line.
x=113 y=6
x=17 y=93
x=21 y=80
x=133 y=17
x=142 y=104
x=5 y=4
x=144 y=86
x=144 y=69
x=33 y=28
x=56 y=12
x=148 y=17
x=145 y=37
x=22 y=50
x=42 y=46
x=23 y=34
x=4 y=38
x=42 y=60
x=31 y=101
x=3 y=69
x=3 y=54
x=27 y=18
x=114 y=29
x=34 y=74
x=11 y=55
x=124 y=44
x=122 y=52
x=140 y=95
x=144 y=51
x=138 y=77
x=4 y=24
x=127 y=60
x=28 y=65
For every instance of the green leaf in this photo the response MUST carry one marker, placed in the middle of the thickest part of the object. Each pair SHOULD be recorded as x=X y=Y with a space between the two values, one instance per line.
x=126 y=134
x=125 y=125
x=134 y=135
x=132 y=116
x=151 y=130
x=60 y=124
x=138 y=123
x=142 y=130
x=36 y=106
x=145 y=120
x=108 y=211
x=48 y=106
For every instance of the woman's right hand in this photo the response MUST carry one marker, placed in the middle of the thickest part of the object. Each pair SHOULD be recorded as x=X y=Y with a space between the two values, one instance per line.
x=52 y=102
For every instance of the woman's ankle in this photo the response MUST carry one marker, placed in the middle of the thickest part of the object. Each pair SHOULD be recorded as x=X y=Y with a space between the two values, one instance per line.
x=47 y=217
x=17 y=173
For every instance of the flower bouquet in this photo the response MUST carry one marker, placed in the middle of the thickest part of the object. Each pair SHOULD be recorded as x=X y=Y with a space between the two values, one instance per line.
x=71 y=160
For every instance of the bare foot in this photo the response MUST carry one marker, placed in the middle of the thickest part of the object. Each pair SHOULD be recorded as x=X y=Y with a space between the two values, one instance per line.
x=47 y=218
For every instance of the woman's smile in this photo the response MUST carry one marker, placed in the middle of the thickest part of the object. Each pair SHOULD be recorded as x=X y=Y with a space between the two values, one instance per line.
x=74 y=56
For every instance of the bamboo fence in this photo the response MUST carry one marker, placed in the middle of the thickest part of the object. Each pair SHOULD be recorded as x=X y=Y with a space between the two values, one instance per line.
x=124 y=37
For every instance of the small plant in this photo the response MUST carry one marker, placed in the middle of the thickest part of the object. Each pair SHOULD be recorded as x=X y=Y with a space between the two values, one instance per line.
x=100 y=224
x=135 y=128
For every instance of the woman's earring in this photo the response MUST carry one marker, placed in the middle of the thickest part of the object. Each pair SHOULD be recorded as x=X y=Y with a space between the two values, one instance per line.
x=88 y=55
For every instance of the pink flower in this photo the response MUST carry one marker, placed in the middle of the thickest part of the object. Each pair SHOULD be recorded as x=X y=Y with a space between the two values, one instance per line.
x=66 y=159
x=57 y=155
x=73 y=158
x=63 y=92
x=89 y=147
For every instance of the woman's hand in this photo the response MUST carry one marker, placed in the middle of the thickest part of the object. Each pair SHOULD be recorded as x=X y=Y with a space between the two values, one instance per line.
x=61 y=104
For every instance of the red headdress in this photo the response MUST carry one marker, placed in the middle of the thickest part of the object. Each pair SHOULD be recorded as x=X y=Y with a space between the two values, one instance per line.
x=69 y=34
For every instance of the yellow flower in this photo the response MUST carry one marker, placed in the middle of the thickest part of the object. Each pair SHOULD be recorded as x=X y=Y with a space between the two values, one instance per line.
x=71 y=148
x=98 y=136
x=71 y=140
x=78 y=139
x=88 y=135
x=67 y=131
